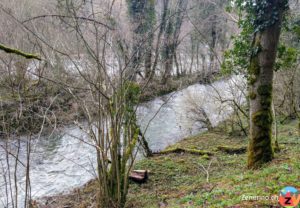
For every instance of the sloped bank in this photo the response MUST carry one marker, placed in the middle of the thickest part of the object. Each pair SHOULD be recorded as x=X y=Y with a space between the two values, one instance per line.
x=188 y=180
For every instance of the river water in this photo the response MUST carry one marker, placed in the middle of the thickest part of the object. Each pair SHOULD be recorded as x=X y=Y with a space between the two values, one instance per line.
x=61 y=162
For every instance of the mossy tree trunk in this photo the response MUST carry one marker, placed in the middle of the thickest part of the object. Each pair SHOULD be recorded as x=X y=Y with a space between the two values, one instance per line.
x=262 y=60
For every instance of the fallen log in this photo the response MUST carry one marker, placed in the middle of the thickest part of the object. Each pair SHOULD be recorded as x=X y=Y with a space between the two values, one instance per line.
x=139 y=176
x=183 y=150
x=232 y=150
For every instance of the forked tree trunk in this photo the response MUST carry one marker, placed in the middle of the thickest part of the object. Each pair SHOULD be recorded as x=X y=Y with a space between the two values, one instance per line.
x=264 y=48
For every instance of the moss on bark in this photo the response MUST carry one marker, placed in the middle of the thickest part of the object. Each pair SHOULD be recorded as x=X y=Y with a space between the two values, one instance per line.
x=265 y=91
x=18 y=52
x=253 y=71
x=252 y=95
x=254 y=68
x=262 y=119
x=260 y=147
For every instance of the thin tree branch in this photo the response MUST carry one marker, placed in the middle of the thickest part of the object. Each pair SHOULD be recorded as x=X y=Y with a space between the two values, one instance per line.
x=70 y=17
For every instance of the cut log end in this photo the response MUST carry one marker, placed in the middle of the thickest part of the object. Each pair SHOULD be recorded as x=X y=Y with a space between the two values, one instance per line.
x=139 y=176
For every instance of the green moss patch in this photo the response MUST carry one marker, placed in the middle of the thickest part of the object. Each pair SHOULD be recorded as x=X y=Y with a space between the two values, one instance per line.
x=252 y=95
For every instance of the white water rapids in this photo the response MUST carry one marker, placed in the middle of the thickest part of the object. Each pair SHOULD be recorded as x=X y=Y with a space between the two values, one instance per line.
x=60 y=162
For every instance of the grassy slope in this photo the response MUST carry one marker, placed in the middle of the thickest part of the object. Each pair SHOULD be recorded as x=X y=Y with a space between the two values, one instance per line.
x=178 y=180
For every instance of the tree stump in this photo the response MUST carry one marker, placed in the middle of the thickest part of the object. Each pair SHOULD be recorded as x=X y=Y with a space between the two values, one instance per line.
x=139 y=176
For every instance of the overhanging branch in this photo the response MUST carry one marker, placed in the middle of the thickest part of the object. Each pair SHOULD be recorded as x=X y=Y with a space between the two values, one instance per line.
x=18 y=52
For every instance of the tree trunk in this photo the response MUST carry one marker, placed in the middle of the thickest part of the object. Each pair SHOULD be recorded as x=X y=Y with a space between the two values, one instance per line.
x=162 y=28
x=168 y=58
x=172 y=39
x=177 y=65
x=262 y=60
x=192 y=63
x=276 y=144
x=142 y=16
x=148 y=60
x=149 y=24
x=145 y=145
x=213 y=46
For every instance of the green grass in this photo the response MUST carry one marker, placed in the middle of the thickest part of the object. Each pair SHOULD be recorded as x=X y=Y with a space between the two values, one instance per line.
x=179 y=180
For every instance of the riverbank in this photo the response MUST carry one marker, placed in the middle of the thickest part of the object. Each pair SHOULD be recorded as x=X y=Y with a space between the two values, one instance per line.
x=63 y=109
x=220 y=180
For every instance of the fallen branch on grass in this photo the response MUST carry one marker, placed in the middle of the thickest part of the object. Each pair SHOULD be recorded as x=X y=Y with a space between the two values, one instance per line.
x=183 y=150
x=206 y=170
x=232 y=150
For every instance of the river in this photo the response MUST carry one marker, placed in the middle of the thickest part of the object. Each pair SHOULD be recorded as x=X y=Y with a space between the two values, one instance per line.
x=61 y=162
